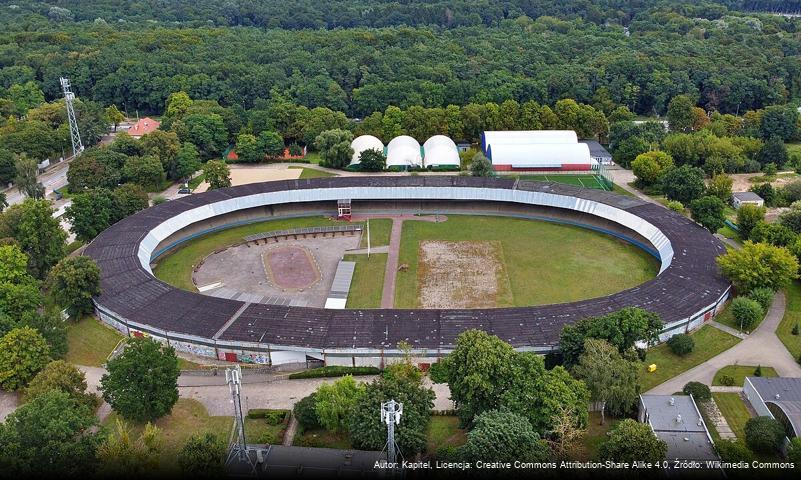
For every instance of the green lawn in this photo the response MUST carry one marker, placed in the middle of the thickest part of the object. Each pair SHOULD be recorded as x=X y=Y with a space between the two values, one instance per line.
x=792 y=317
x=587 y=447
x=313 y=157
x=190 y=417
x=195 y=182
x=545 y=262
x=709 y=341
x=312 y=173
x=442 y=431
x=739 y=372
x=176 y=267
x=322 y=438
x=728 y=232
x=368 y=280
x=380 y=229
x=734 y=410
x=90 y=342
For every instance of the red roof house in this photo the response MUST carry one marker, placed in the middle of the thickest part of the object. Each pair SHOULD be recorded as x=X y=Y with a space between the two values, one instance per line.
x=143 y=127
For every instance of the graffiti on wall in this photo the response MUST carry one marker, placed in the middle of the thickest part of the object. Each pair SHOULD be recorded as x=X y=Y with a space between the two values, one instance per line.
x=194 y=349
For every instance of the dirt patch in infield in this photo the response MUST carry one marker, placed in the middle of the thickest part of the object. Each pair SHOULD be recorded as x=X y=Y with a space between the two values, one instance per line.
x=462 y=275
x=291 y=267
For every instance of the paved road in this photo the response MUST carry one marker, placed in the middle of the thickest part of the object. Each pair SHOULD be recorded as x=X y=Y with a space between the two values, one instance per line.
x=623 y=177
x=762 y=347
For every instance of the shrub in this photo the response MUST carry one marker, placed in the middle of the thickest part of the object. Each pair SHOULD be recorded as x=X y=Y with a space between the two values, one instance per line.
x=733 y=451
x=727 y=380
x=438 y=372
x=159 y=199
x=335 y=371
x=272 y=417
x=746 y=312
x=763 y=296
x=764 y=435
x=796 y=329
x=305 y=414
x=681 y=344
x=698 y=390
x=758 y=371
x=677 y=207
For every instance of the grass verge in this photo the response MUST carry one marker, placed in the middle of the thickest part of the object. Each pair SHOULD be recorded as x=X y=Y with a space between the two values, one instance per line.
x=587 y=446
x=709 y=341
x=792 y=317
x=444 y=431
x=368 y=280
x=90 y=342
x=739 y=372
x=380 y=229
x=312 y=173
x=321 y=438
x=734 y=411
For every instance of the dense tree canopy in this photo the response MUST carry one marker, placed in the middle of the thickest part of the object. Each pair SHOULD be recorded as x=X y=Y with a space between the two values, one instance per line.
x=759 y=265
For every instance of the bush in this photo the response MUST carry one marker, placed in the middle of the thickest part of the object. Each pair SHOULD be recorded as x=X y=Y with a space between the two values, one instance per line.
x=272 y=417
x=159 y=199
x=764 y=435
x=438 y=372
x=677 y=207
x=698 y=390
x=733 y=451
x=305 y=414
x=758 y=371
x=796 y=329
x=746 y=312
x=763 y=296
x=335 y=371
x=727 y=380
x=681 y=344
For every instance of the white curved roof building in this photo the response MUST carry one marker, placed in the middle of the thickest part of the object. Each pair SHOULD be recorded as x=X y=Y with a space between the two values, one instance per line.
x=439 y=151
x=404 y=151
x=362 y=143
x=564 y=156
x=527 y=137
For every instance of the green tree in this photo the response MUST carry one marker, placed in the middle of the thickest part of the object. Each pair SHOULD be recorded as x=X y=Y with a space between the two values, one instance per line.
x=335 y=403
x=759 y=265
x=794 y=452
x=271 y=144
x=127 y=200
x=247 y=148
x=649 y=167
x=334 y=148
x=372 y=160
x=217 y=173
x=137 y=393
x=774 y=234
x=206 y=131
x=62 y=376
x=612 y=379
x=622 y=329
x=7 y=168
x=23 y=353
x=125 y=144
x=780 y=121
x=774 y=151
x=25 y=180
x=631 y=441
x=748 y=216
x=684 y=184
x=503 y=436
x=720 y=186
x=681 y=344
x=304 y=412
x=187 y=161
x=114 y=116
x=51 y=326
x=628 y=149
x=55 y=423
x=481 y=166
x=203 y=456
x=764 y=435
x=73 y=282
x=700 y=391
x=709 y=212
x=96 y=168
x=122 y=455
x=680 y=114
x=747 y=312
x=164 y=146
x=25 y=97
x=177 y=105
x=38 y=234
x=90 y=213
x=145 y=171
x=403 y=383
x=13 y=264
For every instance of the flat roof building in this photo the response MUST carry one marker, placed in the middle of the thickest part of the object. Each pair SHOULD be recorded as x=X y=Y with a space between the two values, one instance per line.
x=739 y=199
x=598 y=152
x=676 y=420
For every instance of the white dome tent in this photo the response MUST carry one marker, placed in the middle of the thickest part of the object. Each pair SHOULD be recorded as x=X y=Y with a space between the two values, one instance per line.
x=404 y=151
x=440 y=151
x=362 y=143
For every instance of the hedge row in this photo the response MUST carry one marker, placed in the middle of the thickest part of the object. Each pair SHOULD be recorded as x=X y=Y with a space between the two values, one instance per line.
x=273 y=417
x=335 y=371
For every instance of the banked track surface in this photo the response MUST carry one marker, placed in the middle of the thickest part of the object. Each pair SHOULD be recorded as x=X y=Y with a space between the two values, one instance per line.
x=688 y=286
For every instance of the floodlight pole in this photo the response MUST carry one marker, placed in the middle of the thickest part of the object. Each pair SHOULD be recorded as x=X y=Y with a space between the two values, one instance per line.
x=391 y=412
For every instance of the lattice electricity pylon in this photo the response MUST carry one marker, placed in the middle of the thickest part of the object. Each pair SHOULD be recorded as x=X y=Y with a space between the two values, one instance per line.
x=75 y=135
x=239 y=450
x=391 y=412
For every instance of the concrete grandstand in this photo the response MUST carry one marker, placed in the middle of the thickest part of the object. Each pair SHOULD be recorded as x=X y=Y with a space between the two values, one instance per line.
x=688 y=290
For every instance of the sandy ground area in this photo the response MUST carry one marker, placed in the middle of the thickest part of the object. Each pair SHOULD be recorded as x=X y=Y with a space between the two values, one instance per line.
x=241 y=268
x=291 y=267
x=244 y=174
x=462 y=275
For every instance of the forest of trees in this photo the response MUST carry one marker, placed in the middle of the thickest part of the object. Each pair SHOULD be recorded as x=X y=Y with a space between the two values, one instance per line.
x=422 y=54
